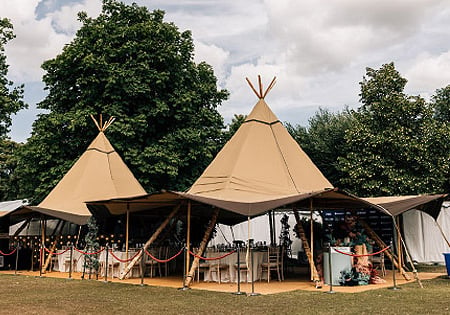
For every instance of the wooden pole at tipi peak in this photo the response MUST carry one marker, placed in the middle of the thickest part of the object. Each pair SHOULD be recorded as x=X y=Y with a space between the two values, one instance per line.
x=149 y=242
x=201 y=248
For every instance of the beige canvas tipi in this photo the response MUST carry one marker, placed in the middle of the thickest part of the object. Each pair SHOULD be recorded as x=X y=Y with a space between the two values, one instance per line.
x=99 y=173
x=260 y=168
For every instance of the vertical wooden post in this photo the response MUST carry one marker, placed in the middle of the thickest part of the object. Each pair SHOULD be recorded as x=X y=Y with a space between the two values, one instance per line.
x=399 y=244
x=312 y=239
x=42 y=252
x=188 y=235
x=302 y=235
x=149 y=242
x=201 y=249
x=127 y=227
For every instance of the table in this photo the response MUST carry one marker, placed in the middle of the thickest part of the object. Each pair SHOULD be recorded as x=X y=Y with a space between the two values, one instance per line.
x=231 y=274
x=63 y=261
x=116 y=268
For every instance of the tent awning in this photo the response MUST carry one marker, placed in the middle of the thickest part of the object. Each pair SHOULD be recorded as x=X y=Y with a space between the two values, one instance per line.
x=396 y=205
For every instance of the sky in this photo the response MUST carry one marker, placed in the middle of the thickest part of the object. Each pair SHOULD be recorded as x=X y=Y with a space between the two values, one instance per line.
x=317 y=49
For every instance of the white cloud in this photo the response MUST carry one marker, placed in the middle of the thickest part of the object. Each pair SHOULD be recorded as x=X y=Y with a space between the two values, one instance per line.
x=214 y=56
x=429 y=73
x=39 y=39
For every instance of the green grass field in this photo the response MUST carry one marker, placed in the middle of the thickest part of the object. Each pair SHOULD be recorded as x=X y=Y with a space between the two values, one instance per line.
x=34 y=295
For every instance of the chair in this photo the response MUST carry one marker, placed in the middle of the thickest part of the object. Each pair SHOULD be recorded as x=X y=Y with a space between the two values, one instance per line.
x=216 y=267
x=274 y=262
x=68 y=262
x=202 y=267
x=149 y=263
x=163 y=254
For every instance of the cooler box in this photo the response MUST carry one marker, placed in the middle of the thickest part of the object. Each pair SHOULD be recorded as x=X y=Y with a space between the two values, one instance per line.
x=447 y=262
x=339 y=262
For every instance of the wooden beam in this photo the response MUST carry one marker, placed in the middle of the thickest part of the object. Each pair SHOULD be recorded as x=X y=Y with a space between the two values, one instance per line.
x=202 y=247
x=188 y=235
x=311 y=224
x=52 y=249
x=301 y=233
x=22 y=227
x=149 y=242
x=389 y=253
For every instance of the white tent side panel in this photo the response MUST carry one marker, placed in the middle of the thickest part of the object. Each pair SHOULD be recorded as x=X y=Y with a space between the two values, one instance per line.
x=423 y=238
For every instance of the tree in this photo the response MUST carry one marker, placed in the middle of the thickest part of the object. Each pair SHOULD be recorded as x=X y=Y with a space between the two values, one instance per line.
x=394 y=144
x=324 y=141
x=130 y=64
x=236 y=122
x=441 y=104
x=10 y=103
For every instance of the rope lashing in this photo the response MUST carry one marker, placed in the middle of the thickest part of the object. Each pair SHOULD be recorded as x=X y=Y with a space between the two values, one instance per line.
x=362 y=255
x=163 y=260
x=212 y=258
x=13 y=251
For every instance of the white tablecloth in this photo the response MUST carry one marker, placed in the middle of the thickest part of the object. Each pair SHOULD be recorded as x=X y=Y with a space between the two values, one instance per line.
x=63 y=261
x=118 y=267
x=231 y=274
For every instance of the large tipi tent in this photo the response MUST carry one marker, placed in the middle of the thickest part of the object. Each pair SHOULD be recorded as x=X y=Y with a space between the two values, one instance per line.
x=99 y=173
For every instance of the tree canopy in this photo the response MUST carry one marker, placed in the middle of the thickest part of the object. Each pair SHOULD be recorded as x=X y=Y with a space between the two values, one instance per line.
x=129 y=63
x=395 y=146
x=10 y=103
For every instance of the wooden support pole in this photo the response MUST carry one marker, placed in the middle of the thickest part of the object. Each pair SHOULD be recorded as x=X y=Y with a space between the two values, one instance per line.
x=399 y=242
x=202 y=247
x=22 y=227
x=52 y=249
x=311 y=224
x=389 y=253
x=149 y=242
x=302 y=235
x=442 y=232
x=188 y=235
x=270 y=227
x=127 y=229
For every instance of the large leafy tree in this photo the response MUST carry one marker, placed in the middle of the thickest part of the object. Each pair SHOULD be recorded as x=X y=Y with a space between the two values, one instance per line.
x=324 y=141
x=395 y=146
x=10 y=102
x=129 y=63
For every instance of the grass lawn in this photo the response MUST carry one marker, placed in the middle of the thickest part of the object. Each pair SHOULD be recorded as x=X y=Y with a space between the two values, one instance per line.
x=34 y=295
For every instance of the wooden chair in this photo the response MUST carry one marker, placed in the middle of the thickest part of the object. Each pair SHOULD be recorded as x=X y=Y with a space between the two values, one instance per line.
x=217 y=267
x=149 y=263
x=274 y=262
x=163 y=254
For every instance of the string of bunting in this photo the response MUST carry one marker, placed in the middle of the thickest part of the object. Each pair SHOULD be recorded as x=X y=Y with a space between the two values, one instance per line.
x=362 y=255
x=123 y=260
x=212 y=258
x=13 y=251
x=163 y=260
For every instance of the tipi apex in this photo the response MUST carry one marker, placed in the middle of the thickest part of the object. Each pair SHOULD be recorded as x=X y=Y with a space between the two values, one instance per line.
x=99 y=173
x=261 y=163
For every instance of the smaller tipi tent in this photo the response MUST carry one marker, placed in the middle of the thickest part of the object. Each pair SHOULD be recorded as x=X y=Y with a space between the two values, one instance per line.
x=99 y=173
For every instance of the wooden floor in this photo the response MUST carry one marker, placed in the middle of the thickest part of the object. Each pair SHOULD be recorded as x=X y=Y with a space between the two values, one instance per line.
x=259 y=287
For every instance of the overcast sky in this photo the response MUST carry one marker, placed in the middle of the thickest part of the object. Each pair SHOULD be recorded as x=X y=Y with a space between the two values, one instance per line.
x=317 y=49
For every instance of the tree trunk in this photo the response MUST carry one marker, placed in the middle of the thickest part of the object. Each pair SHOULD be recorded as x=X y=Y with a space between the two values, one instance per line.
x=202 y=247
x=149 y=242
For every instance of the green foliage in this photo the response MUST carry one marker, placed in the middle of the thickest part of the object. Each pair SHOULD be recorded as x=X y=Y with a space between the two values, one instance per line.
x=441 y=104
x=395 y=146
x=10 y=103
x=324 y=140
x=130 y=64
x=236 y=122
x=92 y=245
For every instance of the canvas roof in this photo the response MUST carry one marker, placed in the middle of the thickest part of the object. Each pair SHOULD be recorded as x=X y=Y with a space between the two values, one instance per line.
x=259 y=169
x=396 y=205
x=99 y=173
x=7 y=207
